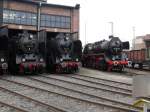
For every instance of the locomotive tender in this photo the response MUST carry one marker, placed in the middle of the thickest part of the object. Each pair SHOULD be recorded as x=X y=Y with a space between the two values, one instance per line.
x=63 y=53
x=25 y=56
x=105 y=54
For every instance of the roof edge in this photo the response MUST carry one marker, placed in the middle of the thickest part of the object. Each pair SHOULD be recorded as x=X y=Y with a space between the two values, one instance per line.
x=44 y=3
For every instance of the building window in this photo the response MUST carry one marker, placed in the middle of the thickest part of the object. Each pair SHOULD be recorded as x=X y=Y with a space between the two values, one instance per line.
x=55 y=21
x=19 y=17
x=28 y=18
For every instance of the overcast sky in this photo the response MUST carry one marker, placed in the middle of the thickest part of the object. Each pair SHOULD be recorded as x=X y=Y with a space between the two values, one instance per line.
x=95 y=16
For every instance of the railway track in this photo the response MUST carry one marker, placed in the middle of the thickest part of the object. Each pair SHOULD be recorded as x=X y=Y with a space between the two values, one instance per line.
x=128 y=72
x=101 y=81
x=74 y=90
x=23 y=102
x=73 y=96
x=9 y=108
x=134 y=72
x=78 y=82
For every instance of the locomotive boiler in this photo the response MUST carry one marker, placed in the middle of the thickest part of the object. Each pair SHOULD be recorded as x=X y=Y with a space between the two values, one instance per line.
x=105 y=54
x=25 y=56
x=64 y=53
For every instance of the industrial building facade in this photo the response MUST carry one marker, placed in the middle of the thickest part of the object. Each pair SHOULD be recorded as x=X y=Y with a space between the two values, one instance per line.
x=24 y=15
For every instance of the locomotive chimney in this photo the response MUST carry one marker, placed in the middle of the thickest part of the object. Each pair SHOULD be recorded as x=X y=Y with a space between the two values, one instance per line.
x=111 y=36
x=112 y=28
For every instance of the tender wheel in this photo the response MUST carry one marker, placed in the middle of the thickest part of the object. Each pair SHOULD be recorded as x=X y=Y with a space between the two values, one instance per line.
x=133 y=65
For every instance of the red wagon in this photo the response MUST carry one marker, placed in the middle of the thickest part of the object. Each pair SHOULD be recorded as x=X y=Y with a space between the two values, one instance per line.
x=139 y=57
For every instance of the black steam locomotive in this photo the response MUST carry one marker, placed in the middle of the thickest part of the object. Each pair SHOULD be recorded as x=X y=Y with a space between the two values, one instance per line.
x=3 y=50
x=105 y=54
x=25 y=55
x=63 y=53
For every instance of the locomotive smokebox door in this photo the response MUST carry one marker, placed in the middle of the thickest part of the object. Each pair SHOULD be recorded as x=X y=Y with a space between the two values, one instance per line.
x=141 y=86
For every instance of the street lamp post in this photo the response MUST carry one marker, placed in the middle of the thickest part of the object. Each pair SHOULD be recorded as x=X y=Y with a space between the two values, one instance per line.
x=38 y=21
x=133 y=28
x=39 y=16
x=112 y=28
x=85 y=33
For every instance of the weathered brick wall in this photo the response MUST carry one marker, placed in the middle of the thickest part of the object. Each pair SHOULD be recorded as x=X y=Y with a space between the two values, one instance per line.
x=75 y=21
x=56 y=29
x=56 y=11
x=14 y=26
x=16 y=5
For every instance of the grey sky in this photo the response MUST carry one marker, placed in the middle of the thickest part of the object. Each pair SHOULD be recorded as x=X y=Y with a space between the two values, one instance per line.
x=95 y=15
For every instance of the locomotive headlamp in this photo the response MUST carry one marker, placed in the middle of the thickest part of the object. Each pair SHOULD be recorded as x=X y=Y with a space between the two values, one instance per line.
x=41 y=60
x=61 y=59
x=77 y=59
x=2 y=60
x=31 y=36
x=113 y=58
x=67 y=38
x=23 y=60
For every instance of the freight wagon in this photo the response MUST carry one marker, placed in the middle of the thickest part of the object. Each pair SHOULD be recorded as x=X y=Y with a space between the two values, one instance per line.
x=139 y=57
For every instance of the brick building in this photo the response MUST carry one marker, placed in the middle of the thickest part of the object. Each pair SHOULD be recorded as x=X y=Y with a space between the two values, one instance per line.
x=20 y=15
x=142 y=42
x=138 y=43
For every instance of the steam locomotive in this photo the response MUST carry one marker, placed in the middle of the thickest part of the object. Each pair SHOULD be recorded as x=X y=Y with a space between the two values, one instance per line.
x=3 y=50
x=105 y=54
x=25 y=55
x=63 y=53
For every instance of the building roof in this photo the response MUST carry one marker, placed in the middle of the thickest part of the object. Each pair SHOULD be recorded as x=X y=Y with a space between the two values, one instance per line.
x=44 y=3
x=147 y=37
x=140 y=37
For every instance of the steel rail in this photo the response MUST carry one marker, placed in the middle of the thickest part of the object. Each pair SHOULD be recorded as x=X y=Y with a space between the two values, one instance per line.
x=70 y=96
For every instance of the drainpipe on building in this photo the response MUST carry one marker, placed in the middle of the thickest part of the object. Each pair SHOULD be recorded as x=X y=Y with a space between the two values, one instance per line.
x=39 y=17
x=38 y=21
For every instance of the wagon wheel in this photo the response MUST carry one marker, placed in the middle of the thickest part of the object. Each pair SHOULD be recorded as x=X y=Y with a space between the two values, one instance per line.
x=141 y=66
x=133 y=65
